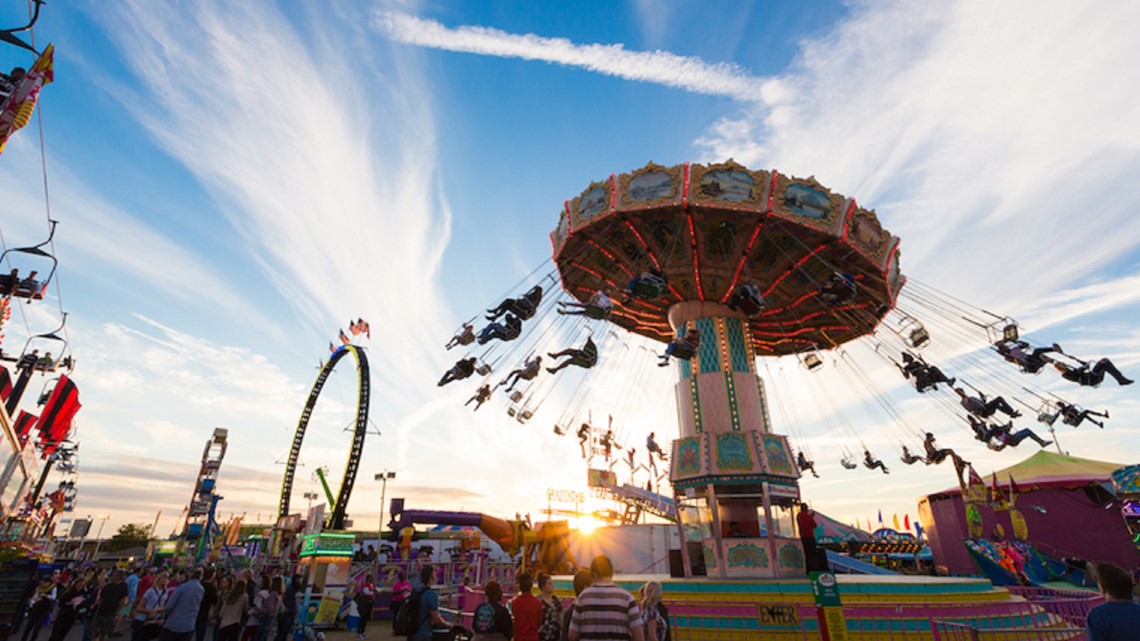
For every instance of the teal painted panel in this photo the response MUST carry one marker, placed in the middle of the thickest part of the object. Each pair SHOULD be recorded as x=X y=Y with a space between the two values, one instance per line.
x=709 y=355
x=737 y=348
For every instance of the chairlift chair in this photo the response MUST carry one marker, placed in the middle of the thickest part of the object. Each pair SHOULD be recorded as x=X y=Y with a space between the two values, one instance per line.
x=31 y=289
x=43 y=364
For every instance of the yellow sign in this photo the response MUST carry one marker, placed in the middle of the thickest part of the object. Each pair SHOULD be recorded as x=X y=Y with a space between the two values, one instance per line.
x=330 y=607
x=836 y=623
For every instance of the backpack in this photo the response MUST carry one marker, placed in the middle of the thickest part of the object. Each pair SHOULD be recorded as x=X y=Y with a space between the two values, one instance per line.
x=484 y=618
x=408 y=618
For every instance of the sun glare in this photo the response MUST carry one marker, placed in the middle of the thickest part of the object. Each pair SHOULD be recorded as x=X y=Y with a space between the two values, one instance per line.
x=587 y=525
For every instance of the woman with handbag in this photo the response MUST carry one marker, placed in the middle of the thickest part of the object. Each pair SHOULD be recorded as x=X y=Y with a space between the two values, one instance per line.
x=149 y=610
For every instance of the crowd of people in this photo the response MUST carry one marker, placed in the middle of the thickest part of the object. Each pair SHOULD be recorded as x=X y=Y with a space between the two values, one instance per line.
x=601 y=610
x=171 y=605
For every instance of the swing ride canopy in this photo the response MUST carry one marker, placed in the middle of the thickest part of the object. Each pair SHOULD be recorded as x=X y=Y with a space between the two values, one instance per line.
x=712 y=228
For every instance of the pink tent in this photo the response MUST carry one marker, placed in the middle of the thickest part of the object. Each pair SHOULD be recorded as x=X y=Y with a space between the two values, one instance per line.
x=1067 y=503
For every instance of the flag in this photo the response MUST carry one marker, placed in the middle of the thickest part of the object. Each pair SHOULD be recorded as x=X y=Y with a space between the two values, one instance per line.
x=880 y=518
x=976 y=491
x=23 y=426
x=332 y=348
x=896 y=519
x=906 y=522
x=17 y=109
x=1013 y=490
x=364 y=327
x=344 y=338
x=996 y=495
x=54 y=423
x=918 y=529
x=5 y=384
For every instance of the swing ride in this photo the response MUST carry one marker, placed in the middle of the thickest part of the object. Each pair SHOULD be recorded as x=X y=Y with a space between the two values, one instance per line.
x=733 y=269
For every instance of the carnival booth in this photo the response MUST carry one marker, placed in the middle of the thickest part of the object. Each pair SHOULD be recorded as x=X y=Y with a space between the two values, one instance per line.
x=325 y=561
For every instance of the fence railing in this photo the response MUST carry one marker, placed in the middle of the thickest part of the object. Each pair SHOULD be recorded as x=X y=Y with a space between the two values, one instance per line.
x=950 y=631
x=1015 y=620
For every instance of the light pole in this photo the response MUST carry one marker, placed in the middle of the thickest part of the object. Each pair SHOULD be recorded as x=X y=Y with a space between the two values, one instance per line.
x=311 y=496
x=99 y=536
x=383 y=478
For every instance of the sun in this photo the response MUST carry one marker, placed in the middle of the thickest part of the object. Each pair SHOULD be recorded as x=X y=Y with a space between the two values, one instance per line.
x=587 y=525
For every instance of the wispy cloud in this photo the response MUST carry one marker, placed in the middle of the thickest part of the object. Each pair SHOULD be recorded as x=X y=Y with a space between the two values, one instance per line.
x=340 y=207
x=972 y=132
x=660 y=67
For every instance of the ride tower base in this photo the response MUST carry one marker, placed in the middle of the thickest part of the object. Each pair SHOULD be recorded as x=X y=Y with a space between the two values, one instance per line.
x=735 y=482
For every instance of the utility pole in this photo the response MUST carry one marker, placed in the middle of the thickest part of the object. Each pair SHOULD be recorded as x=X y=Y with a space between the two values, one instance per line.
x=383 y=478
x=99 y=536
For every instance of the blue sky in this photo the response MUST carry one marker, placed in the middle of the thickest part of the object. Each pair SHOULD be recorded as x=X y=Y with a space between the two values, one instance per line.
x=236 y=180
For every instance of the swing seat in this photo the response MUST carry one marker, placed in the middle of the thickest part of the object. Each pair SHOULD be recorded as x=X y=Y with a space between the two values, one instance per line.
x=515 y=396
x=1010 y=333
x=525 y=416
x=1046 y=418
x=848 y=464
x=584 y=363
x=648 y=288
x=918 y=338
x=483 y=369
x=812 y=362
x=683 y=351
x=751 y=307
x=598 y=313
x=511 y=411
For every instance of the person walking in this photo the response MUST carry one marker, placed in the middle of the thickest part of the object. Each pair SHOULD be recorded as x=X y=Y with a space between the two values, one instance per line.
x=656 y=623
x=111 y=598
x=40 y=606
x=429 y=616
x=805 y=521
x=182 y=609
x=288 y=615
x=401 y=589
x=527 y=610
x=582 y=580
x=491 y=621
x=604 y=611
x=1118 y=618
x=149 y=609
x=232 y=611
x=550 y=628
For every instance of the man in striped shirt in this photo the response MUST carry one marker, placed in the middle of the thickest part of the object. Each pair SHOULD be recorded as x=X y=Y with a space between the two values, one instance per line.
x=604 y=611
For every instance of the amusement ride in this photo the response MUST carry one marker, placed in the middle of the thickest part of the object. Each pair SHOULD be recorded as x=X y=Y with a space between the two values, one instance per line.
x=726 y=272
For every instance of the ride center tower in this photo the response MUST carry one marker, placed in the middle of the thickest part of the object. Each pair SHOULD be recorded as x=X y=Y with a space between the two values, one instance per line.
x=725 y=265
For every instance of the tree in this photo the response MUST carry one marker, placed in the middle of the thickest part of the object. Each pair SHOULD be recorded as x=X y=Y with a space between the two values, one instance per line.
x=129 y=536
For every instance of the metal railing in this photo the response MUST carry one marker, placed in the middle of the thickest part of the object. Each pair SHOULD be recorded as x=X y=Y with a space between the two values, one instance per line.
x=1013 y=620
x=950 y=631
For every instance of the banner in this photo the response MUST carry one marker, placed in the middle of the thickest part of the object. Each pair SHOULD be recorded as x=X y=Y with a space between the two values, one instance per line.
x=17 y=109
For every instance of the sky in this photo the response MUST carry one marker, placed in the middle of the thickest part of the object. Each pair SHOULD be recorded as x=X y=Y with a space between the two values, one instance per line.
x=236 y=181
